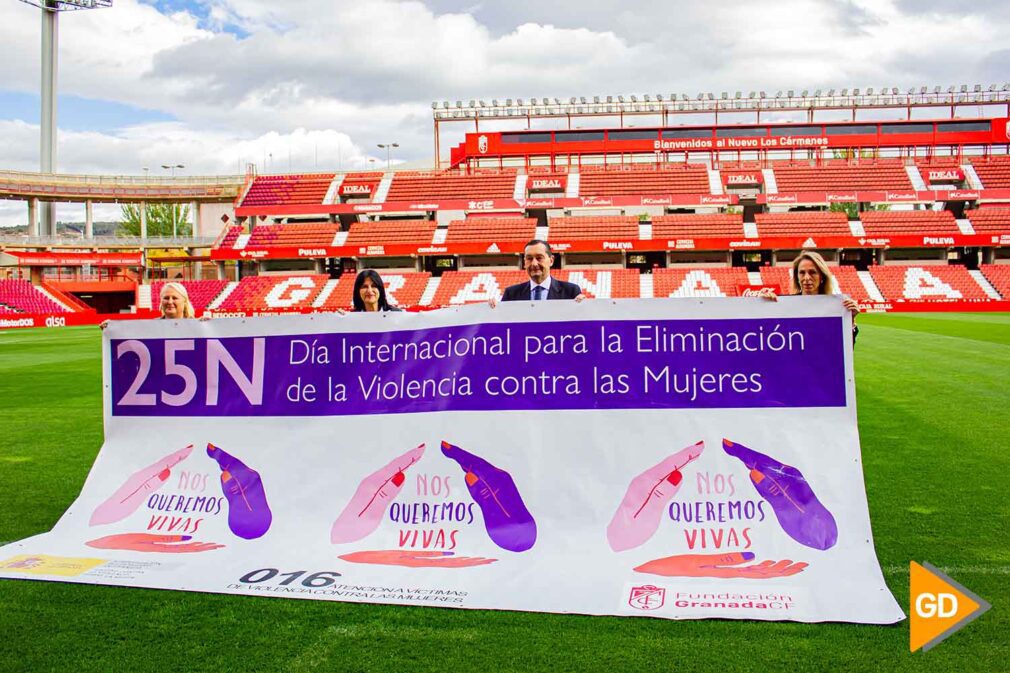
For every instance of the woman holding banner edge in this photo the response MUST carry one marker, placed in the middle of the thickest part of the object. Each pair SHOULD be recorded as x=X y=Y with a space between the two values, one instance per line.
x=811 y=277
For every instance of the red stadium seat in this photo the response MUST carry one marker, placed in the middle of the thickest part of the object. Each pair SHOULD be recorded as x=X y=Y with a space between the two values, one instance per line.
x=715 y=225
x=927 y=283
x=266 y=293
x=384 y=232
x=906 y=222
x=491 y=229
x=20 y=296
x=266 y=235
x=450 y=185
x=635 y=179
x=998 y=276
x=805 y=223
x=994 y=172
x=698 y=282
x=990 y=220
x=286 y=190
x=592 y=227
x=879 y=175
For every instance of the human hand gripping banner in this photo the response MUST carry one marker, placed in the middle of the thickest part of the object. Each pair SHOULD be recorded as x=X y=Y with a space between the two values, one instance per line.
x=666 y=458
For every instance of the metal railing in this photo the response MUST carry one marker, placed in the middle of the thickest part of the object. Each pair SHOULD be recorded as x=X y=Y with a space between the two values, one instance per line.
x=122 y=180
x=107 y=241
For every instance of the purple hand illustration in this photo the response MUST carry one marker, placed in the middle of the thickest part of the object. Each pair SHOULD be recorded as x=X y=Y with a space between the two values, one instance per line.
x=364 y=512
x=249 y=514
x=135 y=490
x=637 y=517
x=800 y=513
x=509 y=524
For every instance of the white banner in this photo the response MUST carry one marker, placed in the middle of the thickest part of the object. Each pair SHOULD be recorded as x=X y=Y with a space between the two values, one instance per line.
x=667 y=458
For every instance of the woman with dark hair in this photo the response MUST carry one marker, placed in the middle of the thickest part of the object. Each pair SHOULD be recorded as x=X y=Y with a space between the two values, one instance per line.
x=370 y=293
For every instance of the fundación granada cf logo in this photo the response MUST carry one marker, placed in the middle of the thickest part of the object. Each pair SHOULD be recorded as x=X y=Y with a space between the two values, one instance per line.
x=647 y=597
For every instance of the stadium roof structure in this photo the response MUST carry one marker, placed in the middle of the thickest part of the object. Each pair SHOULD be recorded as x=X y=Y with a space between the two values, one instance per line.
x=945 y=100
x=65 y=5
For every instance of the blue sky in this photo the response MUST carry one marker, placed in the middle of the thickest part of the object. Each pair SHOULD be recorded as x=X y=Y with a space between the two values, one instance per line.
x=75 y=113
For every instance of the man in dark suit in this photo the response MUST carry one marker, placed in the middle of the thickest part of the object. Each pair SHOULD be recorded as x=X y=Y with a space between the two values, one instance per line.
x=537 y=261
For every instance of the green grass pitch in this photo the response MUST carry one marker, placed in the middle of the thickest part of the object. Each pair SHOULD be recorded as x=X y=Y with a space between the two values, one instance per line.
x=933 y=416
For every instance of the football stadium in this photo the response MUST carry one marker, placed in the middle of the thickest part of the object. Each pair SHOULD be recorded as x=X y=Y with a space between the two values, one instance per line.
x=647 y=201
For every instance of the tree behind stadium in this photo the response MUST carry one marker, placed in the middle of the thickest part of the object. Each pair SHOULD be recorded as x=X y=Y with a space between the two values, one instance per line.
x=159 y=219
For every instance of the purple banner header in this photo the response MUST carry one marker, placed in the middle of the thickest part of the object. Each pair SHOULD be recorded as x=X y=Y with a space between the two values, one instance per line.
x=661 y=364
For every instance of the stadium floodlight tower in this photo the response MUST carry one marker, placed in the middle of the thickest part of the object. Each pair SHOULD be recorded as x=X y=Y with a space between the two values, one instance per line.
x=50 y=68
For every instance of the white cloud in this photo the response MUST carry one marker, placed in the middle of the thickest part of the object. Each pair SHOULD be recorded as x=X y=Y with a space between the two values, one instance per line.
x=350 y=74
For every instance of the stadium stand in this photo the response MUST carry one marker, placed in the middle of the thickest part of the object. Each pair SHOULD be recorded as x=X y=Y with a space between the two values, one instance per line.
x=721 y=225
x=201 y=292
x=806 y=223
x=360 y=184
x=402 y=289
x=698 y=282
x=998 y=276
x=603 y=283
x=259 y=293
x=592 y=228
x=994 y=172
x=491 y=229
x=283 y=190
x=846 y=277
x=926 y=283
x=292 y=234
x=231 y=235
x=643 y=179
x=838 y=175
x=990 y=220
x=548 y=181
x=408 y=186
x=467 y=287
x=939 y=163
x=20 y=296
x=898 y=222
x=383 y=232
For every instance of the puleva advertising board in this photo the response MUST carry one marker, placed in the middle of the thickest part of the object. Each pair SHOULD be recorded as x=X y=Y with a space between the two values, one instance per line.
x=668 y=458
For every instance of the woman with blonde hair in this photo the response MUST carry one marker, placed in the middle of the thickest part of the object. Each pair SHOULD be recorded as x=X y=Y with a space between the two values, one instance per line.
x=811 y=276
x=175 y=302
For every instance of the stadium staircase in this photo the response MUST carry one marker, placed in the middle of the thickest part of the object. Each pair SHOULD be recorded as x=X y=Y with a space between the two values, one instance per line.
x=916 y=178
x=993 y=172
x=984 y=283
x=990 y=220
x=998 y=277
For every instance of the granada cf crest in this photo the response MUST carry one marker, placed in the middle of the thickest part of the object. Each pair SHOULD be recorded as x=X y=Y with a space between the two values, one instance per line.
x=647 y=597
x=482 y=144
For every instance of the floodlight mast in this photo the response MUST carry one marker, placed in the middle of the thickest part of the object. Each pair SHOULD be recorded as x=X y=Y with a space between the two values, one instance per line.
x=50 y=70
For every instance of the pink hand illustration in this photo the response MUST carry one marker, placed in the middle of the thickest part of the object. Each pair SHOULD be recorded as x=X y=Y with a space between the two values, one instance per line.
x=416 y=559
x=720 y=565
x=135 y=490
x=637 y=517
x=148 y=542
x=364 y=512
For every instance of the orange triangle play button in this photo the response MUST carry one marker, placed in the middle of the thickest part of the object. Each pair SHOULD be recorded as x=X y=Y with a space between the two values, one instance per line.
x=939 y=607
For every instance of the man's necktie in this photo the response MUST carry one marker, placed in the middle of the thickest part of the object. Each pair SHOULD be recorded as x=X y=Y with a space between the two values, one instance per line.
x=538 y=293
